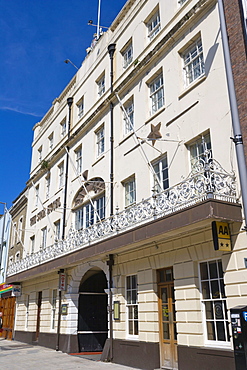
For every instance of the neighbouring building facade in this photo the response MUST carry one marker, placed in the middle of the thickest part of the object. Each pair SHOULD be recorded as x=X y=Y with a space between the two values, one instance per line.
x=131 y=166
x=236 y=19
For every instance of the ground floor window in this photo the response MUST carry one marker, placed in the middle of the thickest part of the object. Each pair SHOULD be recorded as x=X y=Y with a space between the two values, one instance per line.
x=214 y=301
x=132 y=304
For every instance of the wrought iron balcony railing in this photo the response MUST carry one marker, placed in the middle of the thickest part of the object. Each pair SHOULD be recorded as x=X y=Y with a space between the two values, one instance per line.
x=207 y=180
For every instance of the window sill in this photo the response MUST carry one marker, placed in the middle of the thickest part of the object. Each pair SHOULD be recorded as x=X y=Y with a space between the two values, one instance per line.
x=218 y=345
x=192 y=86
x=98 y=160
x=155 y=114
x=126 y=137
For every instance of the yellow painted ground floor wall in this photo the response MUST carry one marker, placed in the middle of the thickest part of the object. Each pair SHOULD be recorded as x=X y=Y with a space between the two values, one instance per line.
x=183 y=254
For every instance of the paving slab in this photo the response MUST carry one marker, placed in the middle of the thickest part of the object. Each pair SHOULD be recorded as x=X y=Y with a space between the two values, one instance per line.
x=21 y=356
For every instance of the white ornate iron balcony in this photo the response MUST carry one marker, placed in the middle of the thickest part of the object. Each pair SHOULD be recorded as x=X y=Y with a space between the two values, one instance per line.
x=207 y=180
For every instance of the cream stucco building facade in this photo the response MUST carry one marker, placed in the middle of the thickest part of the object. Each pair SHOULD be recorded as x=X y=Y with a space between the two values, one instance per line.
x=130 y=167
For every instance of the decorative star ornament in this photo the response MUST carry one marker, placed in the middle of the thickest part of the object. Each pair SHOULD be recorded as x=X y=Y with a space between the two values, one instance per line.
x=155 y=133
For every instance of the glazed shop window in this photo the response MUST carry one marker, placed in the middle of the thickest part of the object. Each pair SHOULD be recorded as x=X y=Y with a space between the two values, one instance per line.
x=214 y=301
x=132 y=305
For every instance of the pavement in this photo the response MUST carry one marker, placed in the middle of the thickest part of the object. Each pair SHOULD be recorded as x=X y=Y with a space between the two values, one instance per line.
x=21 y=356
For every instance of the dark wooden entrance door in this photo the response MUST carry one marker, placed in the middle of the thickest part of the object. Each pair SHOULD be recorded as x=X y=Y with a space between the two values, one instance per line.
x=92 y=314
x=167 y=314
x=39 y=302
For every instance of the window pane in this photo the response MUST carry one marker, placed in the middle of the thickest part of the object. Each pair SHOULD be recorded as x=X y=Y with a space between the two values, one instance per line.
x=218 y=310
x=215 y=289
x=205 y=290
x=209 y=310
x=166 y=333
x=131 y=327
x=220 y=330
x=204 y=271
x=164 y=295
x=213 y=270
x=135 y=327
x=210 y=330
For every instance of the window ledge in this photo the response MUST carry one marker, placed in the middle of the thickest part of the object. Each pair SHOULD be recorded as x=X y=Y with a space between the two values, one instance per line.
x=126 y=137
x=192 y=86
x=218 y=345
x=98 y=160
x=155 y=115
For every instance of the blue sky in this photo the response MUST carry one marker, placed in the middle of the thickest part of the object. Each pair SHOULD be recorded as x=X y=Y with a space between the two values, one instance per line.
x=36 y=36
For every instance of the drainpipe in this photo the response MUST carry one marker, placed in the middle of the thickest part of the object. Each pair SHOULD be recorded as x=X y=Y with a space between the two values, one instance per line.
x=111 y=50
x=110 y=263
x=69 y=102
x=237 y=139
x=59 y=311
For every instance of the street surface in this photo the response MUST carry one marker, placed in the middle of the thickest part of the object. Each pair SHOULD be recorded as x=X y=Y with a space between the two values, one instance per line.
x=21 y=356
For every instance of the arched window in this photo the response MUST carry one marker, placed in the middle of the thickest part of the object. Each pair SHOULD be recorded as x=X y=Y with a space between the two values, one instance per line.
x=89 y=203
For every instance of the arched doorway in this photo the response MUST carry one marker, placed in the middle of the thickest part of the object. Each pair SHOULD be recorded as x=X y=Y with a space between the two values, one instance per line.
x=92 y=312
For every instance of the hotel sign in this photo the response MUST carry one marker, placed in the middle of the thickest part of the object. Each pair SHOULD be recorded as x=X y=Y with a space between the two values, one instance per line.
x=221 y=236
x=46 y=211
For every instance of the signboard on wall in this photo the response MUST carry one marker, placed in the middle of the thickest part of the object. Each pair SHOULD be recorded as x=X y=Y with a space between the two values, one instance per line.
x=16 y=290
x=62 y=281
x=221 y=236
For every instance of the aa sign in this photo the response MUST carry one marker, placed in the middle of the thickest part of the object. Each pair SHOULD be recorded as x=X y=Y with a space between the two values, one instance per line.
x=221 y=236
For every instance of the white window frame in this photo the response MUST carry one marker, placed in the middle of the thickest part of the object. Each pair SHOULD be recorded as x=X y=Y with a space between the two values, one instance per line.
x=53 y=309
x=244 y=8
x=43 y=237
x=130 y=191
x=214 y=302
x=32 y=243
x=47 y=185
x=14 y=235
x=63 y=127
x=61 y=175
x=51 y=141
x=132 y=305
x=153 y=25
x=161 y=176
x=127 y=55
x=193 y=62
x=78 y=154
x=11 y=260
x=57 y=225
x=80 y=107
x=40 y=154
x=100 y=140
x=20 y=229
x=181 y=2
x=36 y=196
x=196 y=150
x=89 y=214
x=129 y=120
x=101 y=85
x=157 y=93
